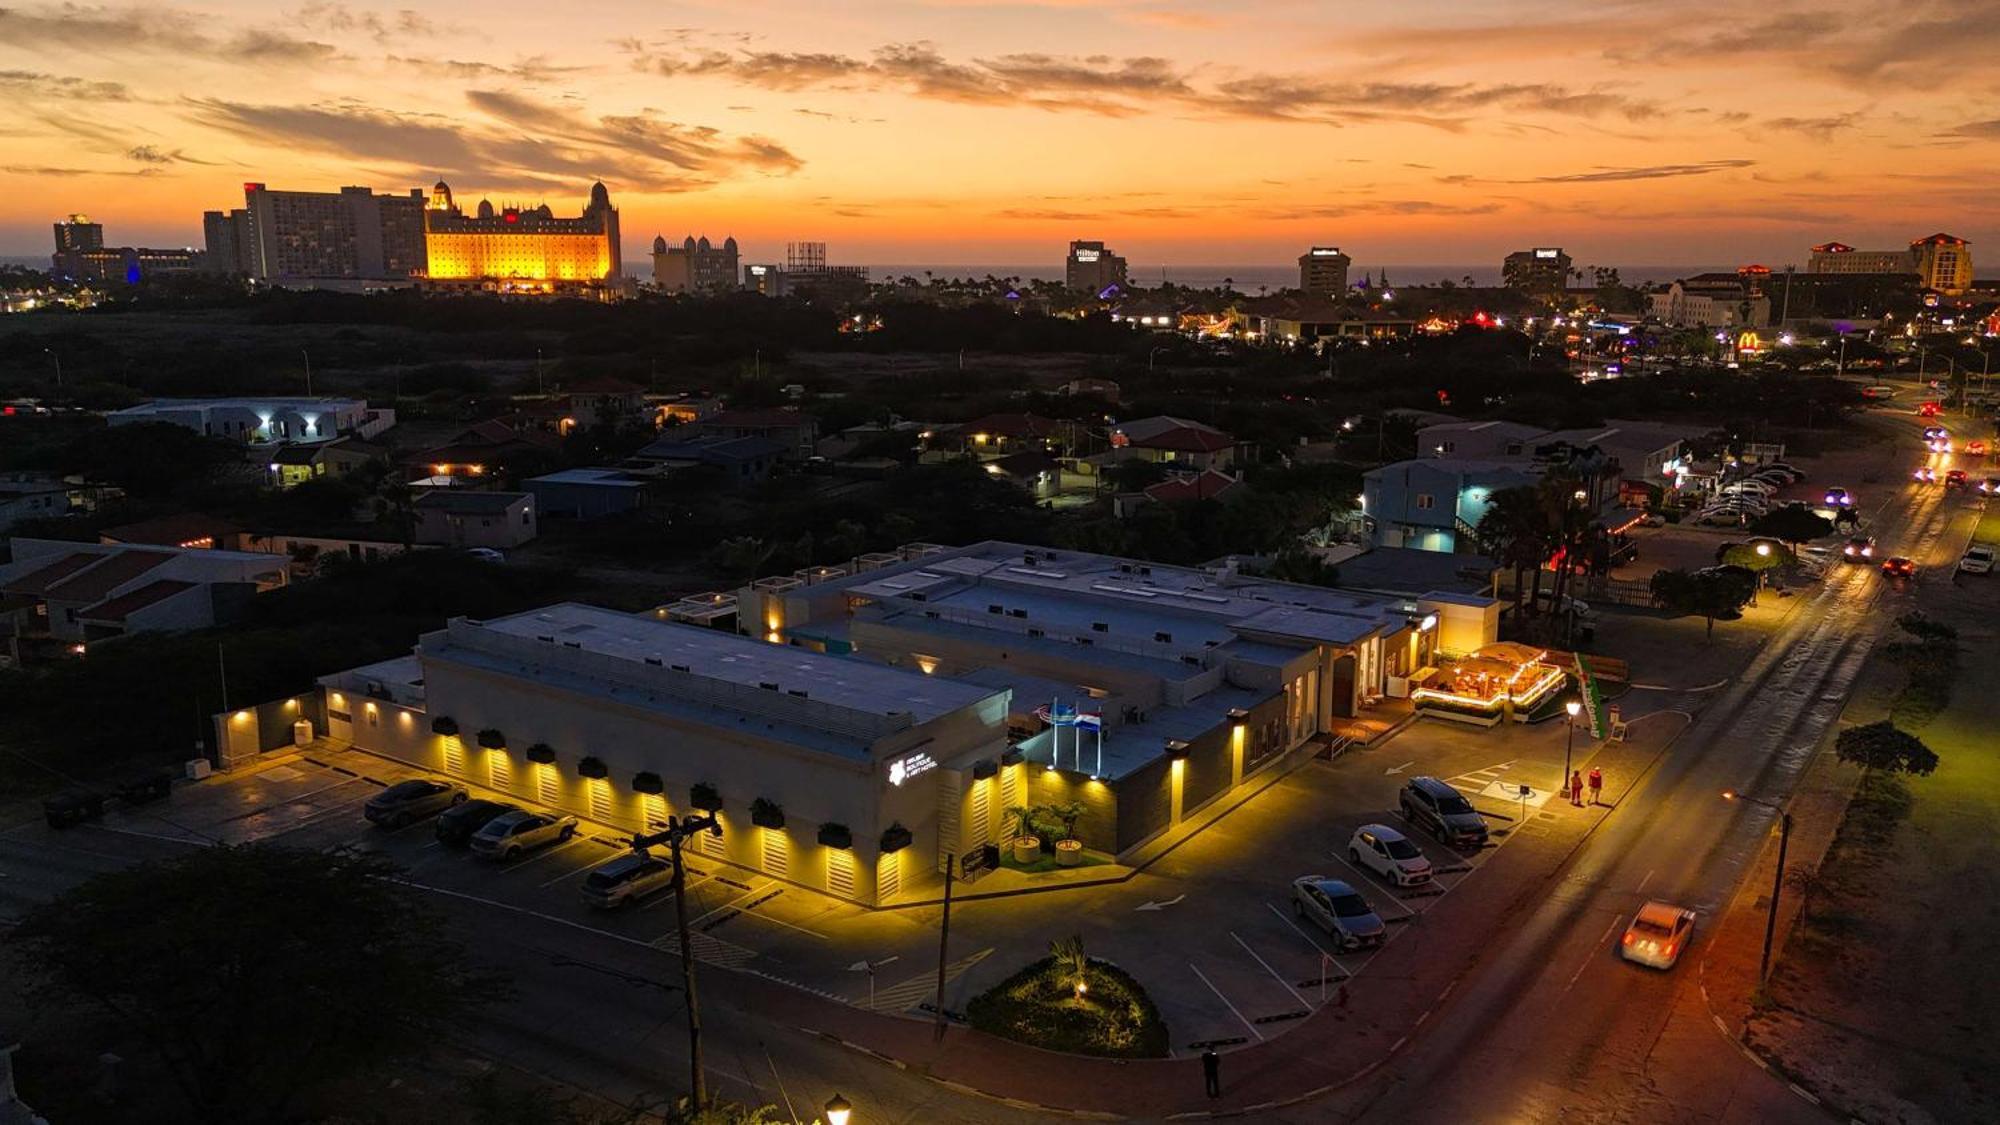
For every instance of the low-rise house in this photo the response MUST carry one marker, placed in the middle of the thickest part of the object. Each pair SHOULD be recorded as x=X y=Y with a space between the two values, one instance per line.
x=1651 y=452
x=996 y=435
x=471 y=518
x=588 y=493
x=256 y=421
x=1435 y=503
x=75 y=594
x=793 y=431
x=604 y=402
x=1306 y=318
x=295 y=463
x=1174 y=441
x=32 y=496
x=192 y=530
x=739 y=460
x=481 y=449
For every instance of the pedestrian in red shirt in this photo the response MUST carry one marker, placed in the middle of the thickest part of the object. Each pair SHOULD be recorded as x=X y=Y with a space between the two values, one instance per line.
x=1576 y=789
x=1596 y=784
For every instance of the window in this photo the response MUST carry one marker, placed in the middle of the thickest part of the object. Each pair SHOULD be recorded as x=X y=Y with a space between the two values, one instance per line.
x=1448 y=447
x=1425 y=502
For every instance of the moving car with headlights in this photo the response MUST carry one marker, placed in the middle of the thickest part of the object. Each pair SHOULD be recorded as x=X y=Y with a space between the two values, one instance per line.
x=1658 y=935
x=456 y=824
x=1990 y=485
x=1339 y=910
x=1838 y=498
x=626 y=880
x=1979 y=559
x=1442 y=812
x=409 y=801
x=1389 y=854
x=510 y=834
x=1896 y=566
x=1932 y=433
x=1860 y=548
x=1924 y=474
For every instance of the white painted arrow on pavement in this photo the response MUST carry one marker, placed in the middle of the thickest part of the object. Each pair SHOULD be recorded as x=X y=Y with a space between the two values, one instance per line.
x=1162 y=905
x=1399 y=769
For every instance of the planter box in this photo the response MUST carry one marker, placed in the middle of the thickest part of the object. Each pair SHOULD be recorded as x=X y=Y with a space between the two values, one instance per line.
x=542 y=753
x=649 y=783
x=1025 y=849
x=765 y=814
x=836 y=836
x=705 y=798
x=445 y=725
x=895 y=838
x=1069 y=853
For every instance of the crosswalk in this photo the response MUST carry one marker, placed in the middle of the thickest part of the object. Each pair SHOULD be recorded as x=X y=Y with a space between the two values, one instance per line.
x=907 y=994
x=1494 y=783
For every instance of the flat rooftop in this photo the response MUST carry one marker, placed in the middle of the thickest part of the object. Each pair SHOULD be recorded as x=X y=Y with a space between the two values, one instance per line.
x=655 y=648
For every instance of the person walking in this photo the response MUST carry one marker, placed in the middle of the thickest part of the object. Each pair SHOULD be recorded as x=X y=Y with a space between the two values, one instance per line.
x=1576 y=789
x=1596 y=784
x=1211 y=1072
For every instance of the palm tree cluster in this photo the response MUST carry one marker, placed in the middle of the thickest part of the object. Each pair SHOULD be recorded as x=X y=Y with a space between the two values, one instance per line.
x=1549 y=525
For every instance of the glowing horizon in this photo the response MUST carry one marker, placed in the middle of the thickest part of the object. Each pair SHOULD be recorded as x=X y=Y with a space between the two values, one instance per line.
x=955 y=131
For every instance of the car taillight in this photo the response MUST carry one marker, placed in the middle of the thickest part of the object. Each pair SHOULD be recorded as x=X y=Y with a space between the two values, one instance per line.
x=1628 y=937
x=1671 y=946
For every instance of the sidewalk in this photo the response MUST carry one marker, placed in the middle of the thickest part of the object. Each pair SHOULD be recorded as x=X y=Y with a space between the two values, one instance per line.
x=1340 y=1043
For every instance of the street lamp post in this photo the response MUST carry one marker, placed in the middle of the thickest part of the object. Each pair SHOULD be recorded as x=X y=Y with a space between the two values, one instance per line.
x=838 y=1110
x=679 y=828
x=58 y=363
x=1777 y=879
x=1149 y=357
x=1575 y=708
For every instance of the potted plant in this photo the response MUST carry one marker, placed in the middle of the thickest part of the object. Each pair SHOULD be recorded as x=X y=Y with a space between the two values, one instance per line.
x=835 y=835
x=592 y=768
x=1023 y=843
x=895 y=838
x=1069 y=849
x=444 y=725
x=541 y=753
x=704 y=797
x=492 y=739
x=766 y=813
x=649 y=783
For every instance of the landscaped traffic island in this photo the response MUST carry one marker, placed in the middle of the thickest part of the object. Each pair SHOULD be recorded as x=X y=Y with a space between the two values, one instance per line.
x=1068 y=1002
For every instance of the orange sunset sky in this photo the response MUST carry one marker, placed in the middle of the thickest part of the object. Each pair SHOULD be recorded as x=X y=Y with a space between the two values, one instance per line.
x=954 y=131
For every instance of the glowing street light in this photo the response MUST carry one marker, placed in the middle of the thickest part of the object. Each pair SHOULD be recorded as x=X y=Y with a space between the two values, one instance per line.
x=838 y=1110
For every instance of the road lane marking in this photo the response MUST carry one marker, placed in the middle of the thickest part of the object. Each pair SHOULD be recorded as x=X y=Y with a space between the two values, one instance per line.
x=1647 y=879
x=1588 y=957
x=1274 y=973
x=1317 y=947
x=1225 y=1001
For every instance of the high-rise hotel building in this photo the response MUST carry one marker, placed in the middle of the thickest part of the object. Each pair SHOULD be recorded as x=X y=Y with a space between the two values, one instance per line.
x=321 y=237
x=516 y=250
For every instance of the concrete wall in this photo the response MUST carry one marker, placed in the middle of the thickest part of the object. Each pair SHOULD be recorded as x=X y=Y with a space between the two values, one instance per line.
x=241 y=735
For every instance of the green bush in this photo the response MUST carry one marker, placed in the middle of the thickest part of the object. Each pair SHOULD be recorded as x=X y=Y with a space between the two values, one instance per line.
x=1039 y=1006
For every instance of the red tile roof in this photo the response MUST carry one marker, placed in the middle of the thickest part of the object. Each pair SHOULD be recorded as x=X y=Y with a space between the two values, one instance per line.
x=97 y=582
x=1210 y=485
x=124 y=605
x=37 y=582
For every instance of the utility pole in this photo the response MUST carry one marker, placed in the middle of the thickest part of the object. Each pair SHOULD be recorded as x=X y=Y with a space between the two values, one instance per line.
x=944 y=942
x=1777 y=878
x=58 y=363
x=309 y=371
x=680 y=828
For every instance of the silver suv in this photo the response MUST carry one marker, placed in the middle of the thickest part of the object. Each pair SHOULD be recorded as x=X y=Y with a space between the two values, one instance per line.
x=1339 y=910
x=627 y=879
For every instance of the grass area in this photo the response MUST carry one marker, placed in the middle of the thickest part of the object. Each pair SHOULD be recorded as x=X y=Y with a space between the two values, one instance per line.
x=1884 y=1002
x=1040 y=1006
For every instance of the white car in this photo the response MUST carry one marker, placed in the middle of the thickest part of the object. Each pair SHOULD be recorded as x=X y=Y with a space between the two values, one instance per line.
x=1978 y=559
x=1658 y=935
x=1389 y=854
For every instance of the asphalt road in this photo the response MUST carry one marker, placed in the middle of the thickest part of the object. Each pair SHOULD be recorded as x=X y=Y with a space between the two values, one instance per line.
x=1555 y=1026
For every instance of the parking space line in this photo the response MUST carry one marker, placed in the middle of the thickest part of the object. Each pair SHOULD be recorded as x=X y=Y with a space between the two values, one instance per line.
x=571 y=873
x=1282 y=982
x=1375 y=881
x=1317 y=947
x=1225 y=1001
x=542 y=855
x=669 y=896
x=751 y=893
x=1647 y=879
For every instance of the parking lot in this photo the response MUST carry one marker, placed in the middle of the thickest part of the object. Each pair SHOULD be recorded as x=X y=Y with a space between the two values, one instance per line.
x=1210 y=928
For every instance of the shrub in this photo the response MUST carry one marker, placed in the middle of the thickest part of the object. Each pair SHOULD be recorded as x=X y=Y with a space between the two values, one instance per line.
x=1040 y=1006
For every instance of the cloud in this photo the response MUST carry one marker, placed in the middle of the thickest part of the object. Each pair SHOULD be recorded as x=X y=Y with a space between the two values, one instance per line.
x=532 y=70
x=154 y=154
x=107 y=30
x=1818 y=128
x=26 y=84
x=1649 y=172
x=45 y=170
x=1126 y=86
x=524 y=144
x=403 y=24
x=1977 y=130
x=1392 y=207
x=1177 y=20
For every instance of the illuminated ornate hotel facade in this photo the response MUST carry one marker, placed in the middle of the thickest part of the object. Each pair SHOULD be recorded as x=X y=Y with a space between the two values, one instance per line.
x=516 y=250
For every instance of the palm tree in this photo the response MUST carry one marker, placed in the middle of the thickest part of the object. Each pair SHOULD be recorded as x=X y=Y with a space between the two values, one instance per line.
x=1516 y=532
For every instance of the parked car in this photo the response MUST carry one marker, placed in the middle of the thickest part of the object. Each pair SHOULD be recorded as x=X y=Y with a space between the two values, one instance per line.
x=72 y=807
x=409 y=801
x=1389 y=854
x=486 y=554
x=1896 y=566
x=1340 y=911
x=626 y=880
x=1860 y=548
x=1658 y=935
x=1797 y=474
x=456 y=824
x=1979 y=559
x=510 y=834
x=1443 y=812
x=1838 y=498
